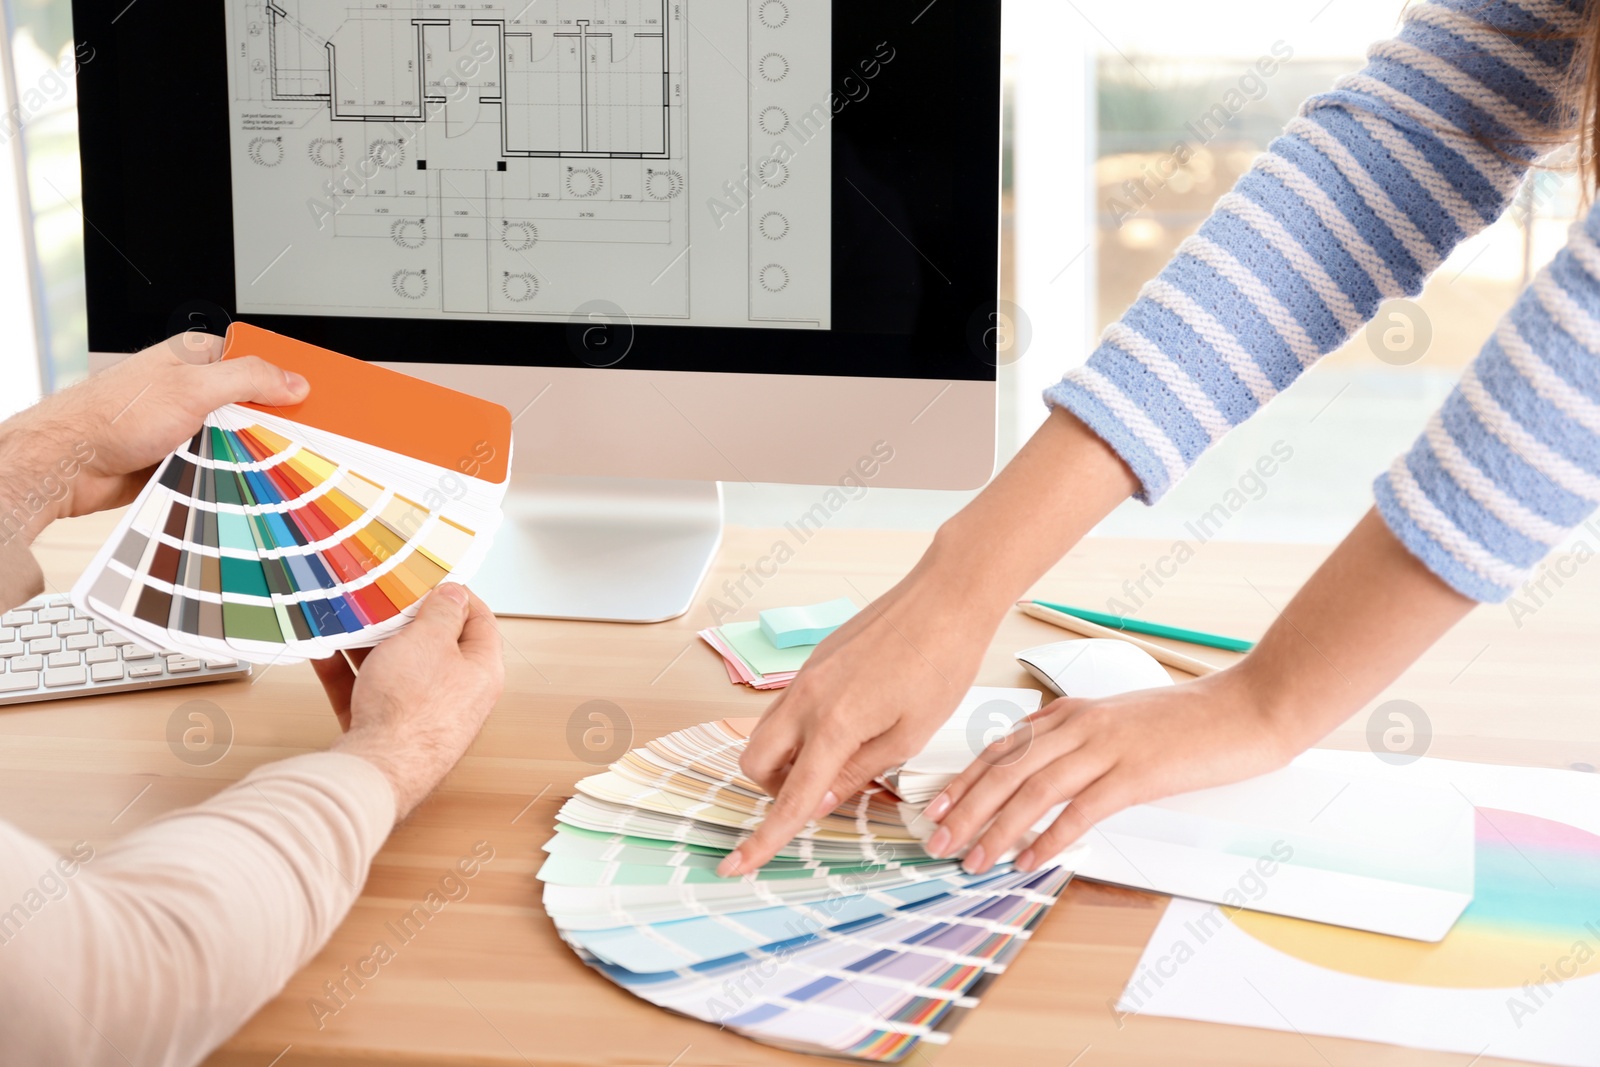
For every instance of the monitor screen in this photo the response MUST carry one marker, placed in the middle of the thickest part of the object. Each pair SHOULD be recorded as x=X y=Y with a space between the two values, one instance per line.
x=766 y=186
x=521 y=165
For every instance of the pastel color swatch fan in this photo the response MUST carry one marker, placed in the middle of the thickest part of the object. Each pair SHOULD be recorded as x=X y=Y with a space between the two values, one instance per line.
x=854 y=942
x=278 y=535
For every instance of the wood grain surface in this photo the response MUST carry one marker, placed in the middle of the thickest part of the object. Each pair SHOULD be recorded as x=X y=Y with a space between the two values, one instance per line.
x=487 y=980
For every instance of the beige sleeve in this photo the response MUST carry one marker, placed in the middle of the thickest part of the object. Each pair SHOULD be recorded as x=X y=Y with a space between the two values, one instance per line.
x=152 y=949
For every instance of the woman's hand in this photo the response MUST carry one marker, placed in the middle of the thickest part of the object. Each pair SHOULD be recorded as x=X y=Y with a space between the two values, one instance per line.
x=1370 y=610
x=1103 y=756
x=874 y=692
x=869 y=697
x=422 y=695
x=94 y=446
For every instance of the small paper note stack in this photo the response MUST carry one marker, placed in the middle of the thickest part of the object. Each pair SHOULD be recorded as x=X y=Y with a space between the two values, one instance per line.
x=767 y=654
x=753 y=660
x=854 y=942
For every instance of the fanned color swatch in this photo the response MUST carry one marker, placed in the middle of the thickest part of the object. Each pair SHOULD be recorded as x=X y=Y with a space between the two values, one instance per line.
x=854 y=942
x=273 y=537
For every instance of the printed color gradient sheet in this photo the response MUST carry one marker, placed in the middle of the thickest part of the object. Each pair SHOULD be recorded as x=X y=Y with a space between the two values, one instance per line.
x=1516 y=979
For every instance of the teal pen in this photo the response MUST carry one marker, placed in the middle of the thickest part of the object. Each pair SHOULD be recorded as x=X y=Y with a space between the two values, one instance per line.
x=1154 y=629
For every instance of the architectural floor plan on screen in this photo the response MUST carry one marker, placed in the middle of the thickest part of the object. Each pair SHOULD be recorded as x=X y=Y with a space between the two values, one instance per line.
x=533 y=159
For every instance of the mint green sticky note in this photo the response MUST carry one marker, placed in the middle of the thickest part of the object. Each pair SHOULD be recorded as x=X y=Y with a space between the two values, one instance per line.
x=789 y=627
x=760 y=654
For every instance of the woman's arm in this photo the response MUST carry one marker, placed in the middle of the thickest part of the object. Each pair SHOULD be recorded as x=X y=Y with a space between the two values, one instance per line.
x=1363 y=196
x=1366 y=615
x=1504 y=472
x=850 y=713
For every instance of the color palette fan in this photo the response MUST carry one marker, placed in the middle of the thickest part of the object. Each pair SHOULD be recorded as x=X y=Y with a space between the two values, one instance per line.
x=853 y=942
x=277 y=535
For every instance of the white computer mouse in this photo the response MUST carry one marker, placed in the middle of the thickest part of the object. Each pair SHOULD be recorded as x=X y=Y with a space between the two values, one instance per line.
x=1093 y=667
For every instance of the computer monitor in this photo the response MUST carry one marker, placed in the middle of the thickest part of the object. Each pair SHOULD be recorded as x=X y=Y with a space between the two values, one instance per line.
x=683 y=241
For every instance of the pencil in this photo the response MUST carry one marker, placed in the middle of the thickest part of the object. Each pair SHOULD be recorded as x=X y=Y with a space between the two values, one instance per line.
x=1153 y=629
x=1085 y=628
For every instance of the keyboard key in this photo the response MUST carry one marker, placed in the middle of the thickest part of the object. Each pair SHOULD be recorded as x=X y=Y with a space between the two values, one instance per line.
x=17 y=682
x=106 y=672
x=48 y=648
x=65 y=676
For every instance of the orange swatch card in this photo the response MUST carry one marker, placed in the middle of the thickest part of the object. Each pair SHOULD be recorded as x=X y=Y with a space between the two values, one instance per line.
x=280 y=535
x=384 y=408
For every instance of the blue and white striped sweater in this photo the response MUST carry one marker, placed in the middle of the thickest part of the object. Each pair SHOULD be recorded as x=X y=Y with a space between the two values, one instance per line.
x=1361 y=198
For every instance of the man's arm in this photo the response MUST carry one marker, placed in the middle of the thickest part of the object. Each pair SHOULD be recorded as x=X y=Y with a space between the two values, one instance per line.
x=95 y=445
x=155 y=948
x=30 y=495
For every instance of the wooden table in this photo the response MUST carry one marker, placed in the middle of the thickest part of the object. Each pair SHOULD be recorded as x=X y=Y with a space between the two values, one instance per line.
x=487 y=981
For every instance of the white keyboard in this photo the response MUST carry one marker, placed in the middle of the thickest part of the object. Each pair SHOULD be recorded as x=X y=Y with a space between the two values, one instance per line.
x=47 y=652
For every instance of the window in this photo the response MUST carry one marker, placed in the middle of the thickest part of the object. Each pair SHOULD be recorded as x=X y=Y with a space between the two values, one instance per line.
x=44 y=99
x=1177 y=72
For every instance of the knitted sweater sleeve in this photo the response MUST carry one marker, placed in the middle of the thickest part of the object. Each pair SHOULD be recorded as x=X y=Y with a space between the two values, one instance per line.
x=1365 y=193
x=1511 y=463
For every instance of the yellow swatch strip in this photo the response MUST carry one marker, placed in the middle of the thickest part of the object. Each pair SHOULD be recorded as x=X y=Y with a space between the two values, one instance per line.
x=448 y=543
x=273 y=441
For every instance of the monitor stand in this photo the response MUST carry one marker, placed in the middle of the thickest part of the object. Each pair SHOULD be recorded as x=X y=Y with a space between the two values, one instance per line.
x=602 y=549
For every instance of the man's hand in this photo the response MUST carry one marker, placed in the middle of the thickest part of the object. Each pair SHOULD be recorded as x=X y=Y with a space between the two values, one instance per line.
x=422 y=695
x=94 y=446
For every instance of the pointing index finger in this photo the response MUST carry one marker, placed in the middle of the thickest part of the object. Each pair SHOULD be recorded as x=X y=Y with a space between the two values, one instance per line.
x=805 y=796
